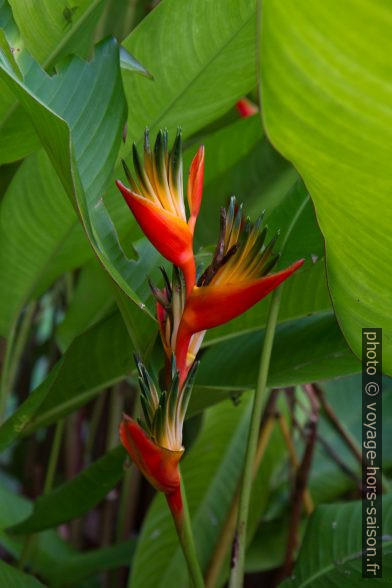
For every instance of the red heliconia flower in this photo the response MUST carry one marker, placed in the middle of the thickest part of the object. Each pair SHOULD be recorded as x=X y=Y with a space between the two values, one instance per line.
x=237 y=278
x=156 y=199
x=158 y=464
x=246 y=108
x=155 y=444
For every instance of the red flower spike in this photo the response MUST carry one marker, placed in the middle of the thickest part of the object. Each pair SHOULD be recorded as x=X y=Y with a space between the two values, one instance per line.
x=155 y=444
x=170 y=235
x=158 y=464
x=235 y=281
x=157 y=201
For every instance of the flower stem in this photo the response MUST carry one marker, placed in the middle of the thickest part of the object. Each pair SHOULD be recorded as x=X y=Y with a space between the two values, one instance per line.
x=223 y=544
x=179 y=508
x=54 y=456
x=239 y=547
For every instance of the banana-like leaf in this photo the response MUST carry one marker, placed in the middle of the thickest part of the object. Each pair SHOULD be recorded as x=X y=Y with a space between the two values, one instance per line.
x=40 y=236
x=54 y=559
x=92 y=300
x=75 y=497
x=78 y=115
x=335 y=559
x=10 y=576
x=305 y=350
x=197 y=81
x=328 y=108
x=49 y=31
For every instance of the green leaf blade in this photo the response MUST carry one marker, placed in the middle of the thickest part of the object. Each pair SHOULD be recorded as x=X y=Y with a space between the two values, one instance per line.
x=327 y=107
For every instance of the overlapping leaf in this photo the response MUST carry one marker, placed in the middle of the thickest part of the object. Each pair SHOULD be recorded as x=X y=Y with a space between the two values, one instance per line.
x=54 y=559
x=83 y=144
x=76 y=497
x=327 y=102
x=49 y=30
x=40 y=236
x=335 y=559
x=200 y=69
x=305 y=350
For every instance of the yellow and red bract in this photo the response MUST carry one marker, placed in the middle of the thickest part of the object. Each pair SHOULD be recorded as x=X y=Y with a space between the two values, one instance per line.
x=157 y=201
x=235 y=281
x=155 y=443
x=158 y=464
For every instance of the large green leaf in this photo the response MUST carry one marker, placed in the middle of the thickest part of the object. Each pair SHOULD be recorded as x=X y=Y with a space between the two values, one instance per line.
x=202 y=57
x=327 y=107
x=82 y=153
x=10 y=576
x=75 y=497
x=92 y=300
x=40 y=236
x=44 y=28
x=49 y=548
x=54 y=559
x=305 y=350
x=92 y=562
x=51 y=30
x=17 y=137
x=238 y=160
x=335 y=559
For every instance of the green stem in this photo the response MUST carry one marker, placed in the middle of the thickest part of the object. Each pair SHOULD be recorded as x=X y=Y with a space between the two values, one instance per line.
x=4 y=388
x=93 y=427
x=237 y=572
x=54 y=456
x=15 y=346
x=182 y=521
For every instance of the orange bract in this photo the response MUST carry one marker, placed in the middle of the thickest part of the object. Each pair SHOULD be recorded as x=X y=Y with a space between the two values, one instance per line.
x=236 y=279
x=156 y=199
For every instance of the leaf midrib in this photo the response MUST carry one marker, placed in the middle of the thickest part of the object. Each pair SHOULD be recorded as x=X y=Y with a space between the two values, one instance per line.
x=190 y=82
x=73 y=30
